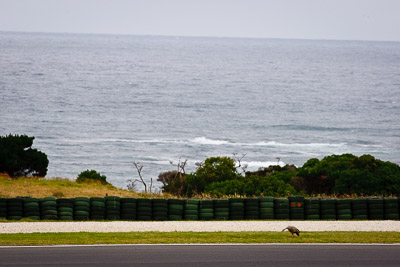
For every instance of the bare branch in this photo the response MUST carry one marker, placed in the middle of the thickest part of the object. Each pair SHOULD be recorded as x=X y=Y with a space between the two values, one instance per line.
x=132 y=184
x=238 y=161
x=151 y=184
x=199 y=164
x=182 y=165
x=139 y=168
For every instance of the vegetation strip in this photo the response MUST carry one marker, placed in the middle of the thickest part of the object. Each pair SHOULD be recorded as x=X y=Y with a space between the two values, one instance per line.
x=83 y=238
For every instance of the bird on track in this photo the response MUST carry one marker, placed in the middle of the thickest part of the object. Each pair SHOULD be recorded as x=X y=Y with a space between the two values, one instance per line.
x=293 y=230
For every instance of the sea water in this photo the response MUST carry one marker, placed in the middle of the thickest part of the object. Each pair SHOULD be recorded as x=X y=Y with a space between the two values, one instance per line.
x=105 y=101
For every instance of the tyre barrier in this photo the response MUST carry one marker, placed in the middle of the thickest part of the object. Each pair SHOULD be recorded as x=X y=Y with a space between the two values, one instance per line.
x=343 y=209
x=251 y=209
x=391 y=207
x=160 y=209
x=281 y=209
x=113 y=208
x=81 y=208
x=65 y=208
x=376 y=209
x=175 y=209
x=296 y=207
x=97 y=208
x=206 y=210
x=236 y=209
x=327 y=207
x=3 y=208
x=128 y=208
x=266 y=205
x=31 y=208
x=48 y=208
x=191 y=209
x=143 y=209
x=312 y=208
x=359 y=208
x=15 y=208
x=221 y=209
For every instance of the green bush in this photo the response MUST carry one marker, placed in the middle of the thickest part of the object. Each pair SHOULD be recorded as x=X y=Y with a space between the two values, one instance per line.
x=336 y=174
x=214 y=169
x=91 y=175
x=17 y=158
x=251 y=186
x=349 y=174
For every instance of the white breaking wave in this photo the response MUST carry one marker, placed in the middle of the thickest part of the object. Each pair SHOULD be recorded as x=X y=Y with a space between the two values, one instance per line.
x=315 y=145
x=206 y=141
x=260 y=164
x=213 y=142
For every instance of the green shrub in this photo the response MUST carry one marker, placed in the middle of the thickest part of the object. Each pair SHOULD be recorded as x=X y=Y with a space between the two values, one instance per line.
x=91 y=175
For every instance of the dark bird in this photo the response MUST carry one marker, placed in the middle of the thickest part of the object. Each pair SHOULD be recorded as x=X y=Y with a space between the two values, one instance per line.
x=293 y=230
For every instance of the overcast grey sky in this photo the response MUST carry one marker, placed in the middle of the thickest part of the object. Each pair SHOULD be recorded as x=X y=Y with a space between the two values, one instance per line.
x=308 y=19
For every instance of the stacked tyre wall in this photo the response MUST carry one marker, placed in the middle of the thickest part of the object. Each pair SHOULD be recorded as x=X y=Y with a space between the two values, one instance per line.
x=144 y=209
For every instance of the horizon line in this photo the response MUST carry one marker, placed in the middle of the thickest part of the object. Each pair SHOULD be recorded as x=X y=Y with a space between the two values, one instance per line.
x=198 y=36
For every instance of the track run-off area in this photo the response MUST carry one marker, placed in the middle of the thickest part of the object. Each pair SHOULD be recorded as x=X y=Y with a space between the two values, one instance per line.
x=196 y=226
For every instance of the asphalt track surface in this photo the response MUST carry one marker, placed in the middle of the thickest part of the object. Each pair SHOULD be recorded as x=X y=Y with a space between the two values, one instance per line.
x=203 y=255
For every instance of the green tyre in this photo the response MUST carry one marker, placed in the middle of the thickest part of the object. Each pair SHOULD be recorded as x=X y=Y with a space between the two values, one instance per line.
x=328 y=216
x=97 y=217
x=192 y=201
x=360 y=212
x=392 y=216
x=112 y=198
x=267 y=216
x=97 y=199
x=263 y=205
x=191 y=217
x=175 y=218
x=128 y=217
x=191 y=212
x=78 y=213
x=312 y=217
x=49 y=217
x=48 y=212
x=37 y=218
x=128 y=200
x=82 y=208
x=344 y=217
x=360 y=217
x=97 y=213
x=144 y=218
x=282 y=216
x=128 y=205
x=14 y=218
x=113 y=217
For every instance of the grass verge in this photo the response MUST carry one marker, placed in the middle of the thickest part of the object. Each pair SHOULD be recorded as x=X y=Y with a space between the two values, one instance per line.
x=58 y=187
x=85 y=238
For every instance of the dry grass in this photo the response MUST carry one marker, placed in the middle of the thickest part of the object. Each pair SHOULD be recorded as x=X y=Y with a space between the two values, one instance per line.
x=58 y=187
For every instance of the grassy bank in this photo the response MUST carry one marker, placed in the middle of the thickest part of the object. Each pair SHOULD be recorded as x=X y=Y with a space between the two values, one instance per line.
x=58 y=187
x=84 y=238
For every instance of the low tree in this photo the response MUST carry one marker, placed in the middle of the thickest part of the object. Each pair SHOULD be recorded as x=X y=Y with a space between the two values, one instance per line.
x=17 y=158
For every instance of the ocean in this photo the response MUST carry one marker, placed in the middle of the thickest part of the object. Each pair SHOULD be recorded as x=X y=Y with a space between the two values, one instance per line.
x=105 y=101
